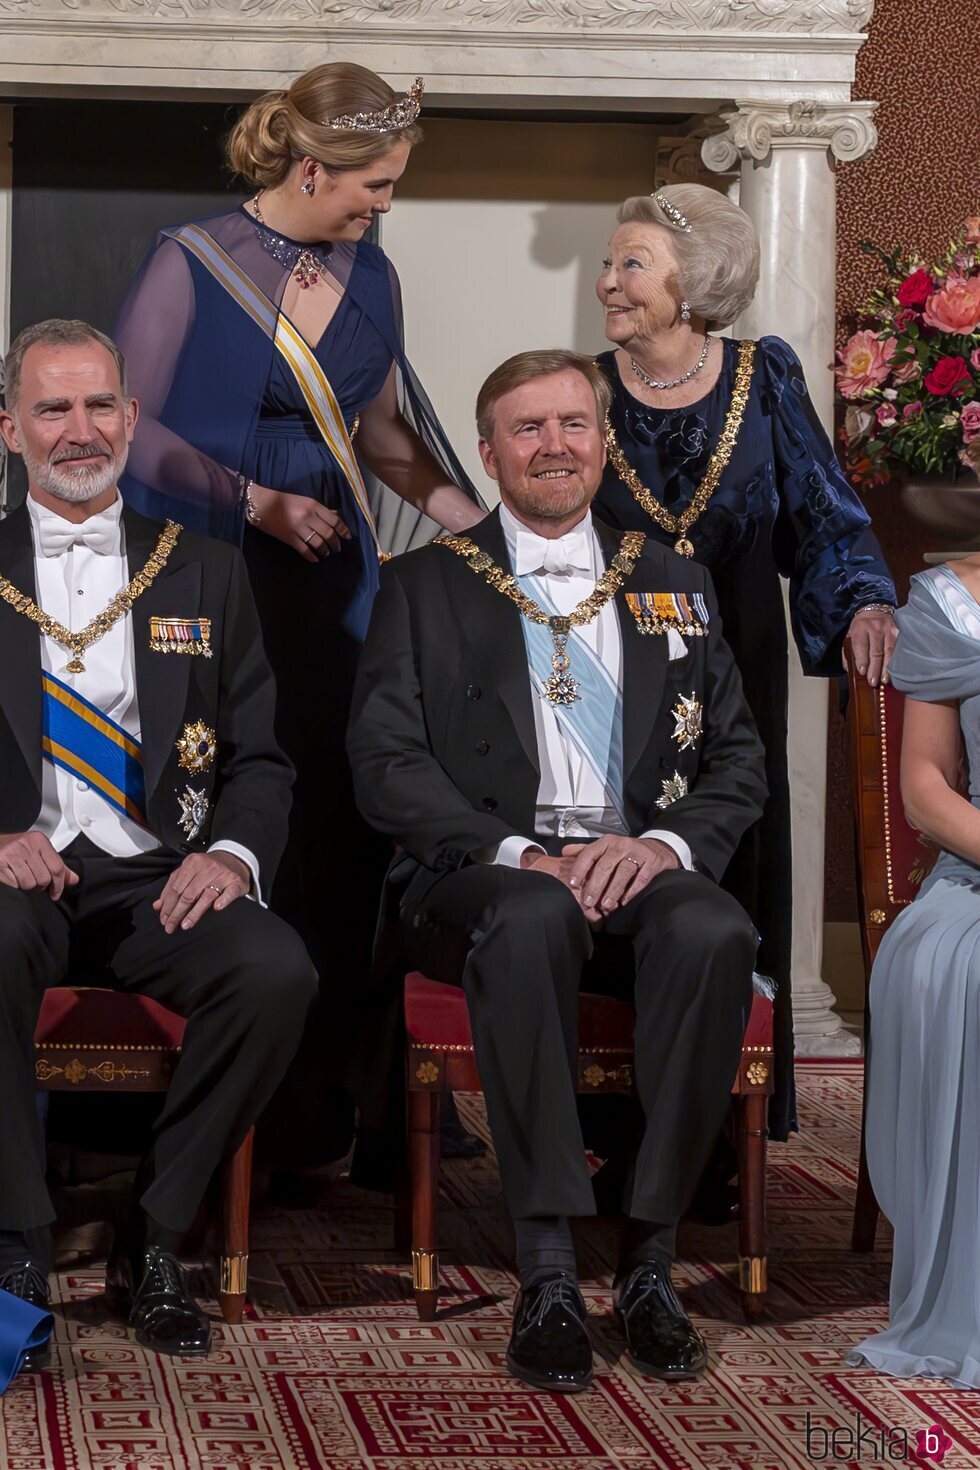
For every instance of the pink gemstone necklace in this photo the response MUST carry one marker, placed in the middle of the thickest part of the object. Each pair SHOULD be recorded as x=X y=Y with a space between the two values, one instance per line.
x=305 y=263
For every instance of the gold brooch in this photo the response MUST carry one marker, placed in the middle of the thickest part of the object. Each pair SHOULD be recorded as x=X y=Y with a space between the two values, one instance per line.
x=196 y=747
x=687 y=720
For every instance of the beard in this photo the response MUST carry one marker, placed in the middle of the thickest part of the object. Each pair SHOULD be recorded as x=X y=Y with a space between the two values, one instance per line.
x=80 y=484
x=548 y=502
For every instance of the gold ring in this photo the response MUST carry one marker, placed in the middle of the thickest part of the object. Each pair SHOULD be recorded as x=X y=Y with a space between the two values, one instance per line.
x=633 y=861
x=309 y=538
x=215 y=889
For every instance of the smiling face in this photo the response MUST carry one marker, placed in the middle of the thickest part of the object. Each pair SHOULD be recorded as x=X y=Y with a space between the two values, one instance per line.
x=70 y=422
x=546 y=451
x=638 y=287
x=344 y=203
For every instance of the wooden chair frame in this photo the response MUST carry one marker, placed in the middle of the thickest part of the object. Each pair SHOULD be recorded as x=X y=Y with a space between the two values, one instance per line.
x=433 y=1070
x=64 y=1066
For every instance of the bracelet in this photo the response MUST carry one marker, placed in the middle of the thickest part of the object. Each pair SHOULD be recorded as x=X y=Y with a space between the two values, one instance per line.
x=251 y=514
x=876 y=607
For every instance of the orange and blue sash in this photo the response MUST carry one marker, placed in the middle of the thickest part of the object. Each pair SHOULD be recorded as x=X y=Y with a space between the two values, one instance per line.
x=77 y=736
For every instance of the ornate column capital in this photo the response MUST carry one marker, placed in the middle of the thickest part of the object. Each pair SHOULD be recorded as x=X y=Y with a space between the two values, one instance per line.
x=754 y=129
x=680 y=159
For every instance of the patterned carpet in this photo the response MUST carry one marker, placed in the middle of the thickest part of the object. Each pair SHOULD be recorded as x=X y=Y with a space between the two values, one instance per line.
x=333 y=1369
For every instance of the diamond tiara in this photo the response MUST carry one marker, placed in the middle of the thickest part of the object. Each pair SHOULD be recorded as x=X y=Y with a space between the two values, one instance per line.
x=672 y=212
x=390 y=119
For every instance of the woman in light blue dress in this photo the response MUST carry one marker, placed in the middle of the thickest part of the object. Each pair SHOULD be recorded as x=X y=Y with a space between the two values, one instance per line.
x=923 y=1120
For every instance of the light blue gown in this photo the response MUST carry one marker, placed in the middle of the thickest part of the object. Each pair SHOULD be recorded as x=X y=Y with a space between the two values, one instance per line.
x=923 y=1118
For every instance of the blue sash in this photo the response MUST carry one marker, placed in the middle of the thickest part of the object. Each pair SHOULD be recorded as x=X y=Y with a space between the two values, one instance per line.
x=594 y=722
x=22 y=1327
x=78 y=737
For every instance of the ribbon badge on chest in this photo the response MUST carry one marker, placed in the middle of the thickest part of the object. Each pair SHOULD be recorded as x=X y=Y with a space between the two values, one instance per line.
x=181 y=635
x=660 y=612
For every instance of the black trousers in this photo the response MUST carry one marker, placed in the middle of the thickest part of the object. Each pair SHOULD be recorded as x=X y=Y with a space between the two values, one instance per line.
x=241 y=977
x=521 y=948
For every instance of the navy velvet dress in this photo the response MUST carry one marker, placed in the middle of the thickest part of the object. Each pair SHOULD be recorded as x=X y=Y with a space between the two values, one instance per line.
x=783 y=509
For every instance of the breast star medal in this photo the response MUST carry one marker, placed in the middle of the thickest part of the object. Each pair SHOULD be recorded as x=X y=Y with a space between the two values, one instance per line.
x=687 y=720
x=673 y=790
x=196 y=747
x=193 y=812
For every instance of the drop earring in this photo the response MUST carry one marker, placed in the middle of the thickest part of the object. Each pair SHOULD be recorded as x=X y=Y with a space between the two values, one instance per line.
x=307 y=188
x=685 y=312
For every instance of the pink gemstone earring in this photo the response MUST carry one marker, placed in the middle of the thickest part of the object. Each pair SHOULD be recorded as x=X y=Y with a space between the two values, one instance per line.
x=307 y=188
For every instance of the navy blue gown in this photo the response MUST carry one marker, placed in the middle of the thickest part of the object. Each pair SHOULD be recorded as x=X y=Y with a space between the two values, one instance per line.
x=784 y=508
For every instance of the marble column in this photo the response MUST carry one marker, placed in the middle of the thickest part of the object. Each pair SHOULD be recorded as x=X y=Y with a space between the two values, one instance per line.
x=788 y=154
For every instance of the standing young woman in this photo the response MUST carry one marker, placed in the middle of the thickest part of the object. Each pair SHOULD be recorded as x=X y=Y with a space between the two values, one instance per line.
x=265 y=348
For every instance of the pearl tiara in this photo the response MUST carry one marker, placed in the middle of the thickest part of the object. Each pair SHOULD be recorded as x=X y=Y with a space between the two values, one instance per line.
x=672 y=212
x=390 y=119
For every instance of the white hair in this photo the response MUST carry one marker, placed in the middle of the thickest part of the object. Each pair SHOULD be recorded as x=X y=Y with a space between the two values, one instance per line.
x=717 y=259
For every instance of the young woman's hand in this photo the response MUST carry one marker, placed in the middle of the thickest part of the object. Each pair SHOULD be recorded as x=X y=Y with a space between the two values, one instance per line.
x=299 y=521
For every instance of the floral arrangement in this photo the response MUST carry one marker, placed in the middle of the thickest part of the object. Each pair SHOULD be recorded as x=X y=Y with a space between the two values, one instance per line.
x=910 y=377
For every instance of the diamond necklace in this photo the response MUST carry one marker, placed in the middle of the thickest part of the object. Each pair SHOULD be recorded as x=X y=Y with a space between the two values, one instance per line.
x=305 y=263
x=674 y=382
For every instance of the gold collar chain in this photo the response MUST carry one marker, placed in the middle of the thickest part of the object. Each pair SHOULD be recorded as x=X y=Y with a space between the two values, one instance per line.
x=121 y=604
x=680 y=525
x=561 y=688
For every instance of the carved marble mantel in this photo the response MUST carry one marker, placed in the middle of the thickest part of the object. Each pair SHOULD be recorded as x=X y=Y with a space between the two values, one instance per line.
x=792 y=59
x=585 y=53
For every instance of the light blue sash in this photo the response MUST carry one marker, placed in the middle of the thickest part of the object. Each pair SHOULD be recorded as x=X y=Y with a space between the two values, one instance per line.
x=594 y=722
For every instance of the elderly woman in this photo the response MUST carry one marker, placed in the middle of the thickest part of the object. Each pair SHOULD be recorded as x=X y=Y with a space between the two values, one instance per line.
x=715 y=449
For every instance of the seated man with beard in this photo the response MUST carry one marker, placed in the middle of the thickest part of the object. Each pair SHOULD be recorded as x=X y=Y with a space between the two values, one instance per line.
x=143 y=804
x=548 y=721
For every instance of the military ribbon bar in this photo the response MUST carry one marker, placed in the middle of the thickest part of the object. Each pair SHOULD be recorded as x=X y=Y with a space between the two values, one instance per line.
x=77 y=736
x=659 y=612
x=181 y=635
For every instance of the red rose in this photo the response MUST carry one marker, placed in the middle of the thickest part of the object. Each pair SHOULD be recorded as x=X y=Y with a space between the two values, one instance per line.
x=916 y=289
x=948 y=378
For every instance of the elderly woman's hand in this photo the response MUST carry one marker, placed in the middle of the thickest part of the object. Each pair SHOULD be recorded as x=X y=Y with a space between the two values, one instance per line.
x=873 y=634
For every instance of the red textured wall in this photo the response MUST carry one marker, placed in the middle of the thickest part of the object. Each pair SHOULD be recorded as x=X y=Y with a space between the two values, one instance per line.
x=920 y=64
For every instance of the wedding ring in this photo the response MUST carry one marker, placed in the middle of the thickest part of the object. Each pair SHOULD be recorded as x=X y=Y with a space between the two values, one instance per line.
x=309 y=538
x=633 y=861
x=215 y=889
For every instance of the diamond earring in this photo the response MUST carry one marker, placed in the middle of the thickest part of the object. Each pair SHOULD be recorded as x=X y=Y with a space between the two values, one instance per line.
x=307 y=188
x=685 y=312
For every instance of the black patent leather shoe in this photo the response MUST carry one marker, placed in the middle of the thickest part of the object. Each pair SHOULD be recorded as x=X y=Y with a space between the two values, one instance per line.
x=25 y=1281
x=161 y=1310
x=549 y=1345
x=662 y=1340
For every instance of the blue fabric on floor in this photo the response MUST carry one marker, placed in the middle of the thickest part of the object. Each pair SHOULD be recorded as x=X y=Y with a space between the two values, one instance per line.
x=22 y=1327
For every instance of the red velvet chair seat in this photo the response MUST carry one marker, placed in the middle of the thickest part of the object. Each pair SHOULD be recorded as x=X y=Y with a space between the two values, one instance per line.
x=106 y=1018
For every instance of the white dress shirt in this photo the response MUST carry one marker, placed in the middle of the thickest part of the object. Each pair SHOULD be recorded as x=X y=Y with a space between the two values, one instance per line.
x=572 y=800
x=78 y=569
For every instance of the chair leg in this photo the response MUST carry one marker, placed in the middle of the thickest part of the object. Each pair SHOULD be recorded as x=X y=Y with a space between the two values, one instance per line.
x=236 y=1189
x=423 y=1130
x=866 y=1210
x=752 y=1134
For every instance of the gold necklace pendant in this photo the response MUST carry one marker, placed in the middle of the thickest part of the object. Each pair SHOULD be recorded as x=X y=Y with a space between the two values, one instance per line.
x=76 y=666
x=561 y=688
x=680 y=525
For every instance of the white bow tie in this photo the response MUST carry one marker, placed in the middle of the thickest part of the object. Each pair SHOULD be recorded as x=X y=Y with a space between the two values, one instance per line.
x=99 y=533
x=555 y=558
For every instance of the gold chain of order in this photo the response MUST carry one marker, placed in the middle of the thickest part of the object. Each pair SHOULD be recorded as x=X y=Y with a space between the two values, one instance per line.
x=607 y=586
x=121 y=604
x=560 y=688
x=680 y=525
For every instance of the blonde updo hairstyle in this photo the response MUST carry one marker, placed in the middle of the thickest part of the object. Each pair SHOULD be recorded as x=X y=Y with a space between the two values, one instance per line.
x=717 y=259
x=281 y=127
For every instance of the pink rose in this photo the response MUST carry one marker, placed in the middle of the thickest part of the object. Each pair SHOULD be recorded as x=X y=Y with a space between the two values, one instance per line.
x=975 y=357
x=970 y=421
x=907 y=372
x=903 y=317
x=864 y=363
x=956 y=308
x=912 y=410
x=886 y=414
x=973 y=230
